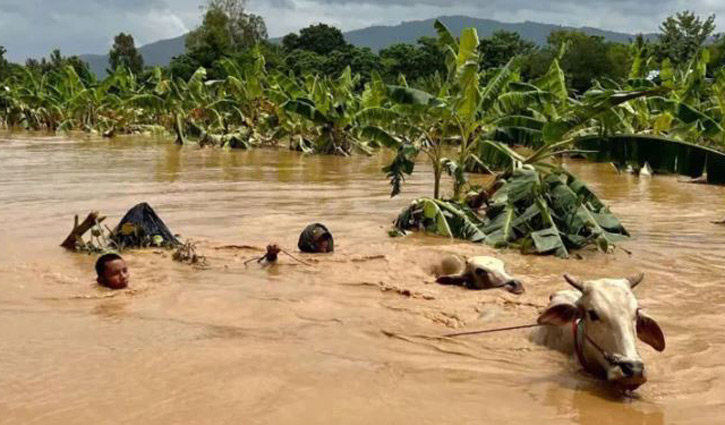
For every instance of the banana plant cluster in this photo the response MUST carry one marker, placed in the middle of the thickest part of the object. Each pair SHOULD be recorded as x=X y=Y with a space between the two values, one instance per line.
x=534 y=203
x=550 y=213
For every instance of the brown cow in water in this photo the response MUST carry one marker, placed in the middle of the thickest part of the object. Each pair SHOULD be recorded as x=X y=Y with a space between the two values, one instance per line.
x=598 y=322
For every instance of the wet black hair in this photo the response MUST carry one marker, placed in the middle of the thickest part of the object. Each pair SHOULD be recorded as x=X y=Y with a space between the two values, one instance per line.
x=103 y=259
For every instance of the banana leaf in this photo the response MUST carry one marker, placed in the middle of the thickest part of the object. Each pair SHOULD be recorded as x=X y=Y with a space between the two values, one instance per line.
x=548 y=241
x=403 y=165
x=543 y=214
x=523 y=187
x=306 y=109
x=518 y=130
x=487 y=160
x=664 y=155
x=414 y=97
x=379 y=136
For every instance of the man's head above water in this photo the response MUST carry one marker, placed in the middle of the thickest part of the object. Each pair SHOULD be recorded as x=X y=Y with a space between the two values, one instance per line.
x=316 y=238
x=112 y=271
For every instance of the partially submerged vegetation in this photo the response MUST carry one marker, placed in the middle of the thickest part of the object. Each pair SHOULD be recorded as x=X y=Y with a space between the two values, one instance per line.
x=665 y=115
x=539 y=213
x=139 y=228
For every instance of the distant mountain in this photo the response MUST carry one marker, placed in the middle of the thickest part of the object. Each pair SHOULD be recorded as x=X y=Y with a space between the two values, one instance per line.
x=379 y=37
x=161 y=52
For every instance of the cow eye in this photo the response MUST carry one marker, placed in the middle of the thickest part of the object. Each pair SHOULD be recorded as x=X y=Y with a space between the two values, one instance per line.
x=593 y=316
x=480 y=272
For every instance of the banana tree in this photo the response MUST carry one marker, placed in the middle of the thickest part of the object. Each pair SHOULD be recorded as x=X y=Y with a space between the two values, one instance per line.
x=331 y=107
x=535 y=204
x=427 y=123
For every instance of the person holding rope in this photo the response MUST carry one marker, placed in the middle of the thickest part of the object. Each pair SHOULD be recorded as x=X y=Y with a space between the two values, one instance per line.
x=314 y=239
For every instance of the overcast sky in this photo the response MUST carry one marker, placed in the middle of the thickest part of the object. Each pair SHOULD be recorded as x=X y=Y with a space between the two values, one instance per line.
x=32 y=28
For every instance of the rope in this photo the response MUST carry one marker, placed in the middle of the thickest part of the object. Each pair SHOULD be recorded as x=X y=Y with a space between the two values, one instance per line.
x=488 y=331
x=271 y=256
x=254 y=259
x=296 y=259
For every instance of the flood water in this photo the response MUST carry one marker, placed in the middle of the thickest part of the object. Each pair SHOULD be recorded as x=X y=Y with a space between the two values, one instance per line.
x=343 y=340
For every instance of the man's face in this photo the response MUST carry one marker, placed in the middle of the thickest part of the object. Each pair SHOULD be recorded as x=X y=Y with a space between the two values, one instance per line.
x=323 y=245
x=115 y=275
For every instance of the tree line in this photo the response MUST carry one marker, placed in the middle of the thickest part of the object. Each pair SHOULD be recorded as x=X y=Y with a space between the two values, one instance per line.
x=229 y=31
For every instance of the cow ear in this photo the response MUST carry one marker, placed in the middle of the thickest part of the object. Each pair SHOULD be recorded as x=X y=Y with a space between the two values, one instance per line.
x=649 y=332
x=558 y=314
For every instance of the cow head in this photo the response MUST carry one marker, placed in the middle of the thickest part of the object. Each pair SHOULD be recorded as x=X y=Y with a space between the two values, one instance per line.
x=484 y=273
x=610 y=319
x=488 y=272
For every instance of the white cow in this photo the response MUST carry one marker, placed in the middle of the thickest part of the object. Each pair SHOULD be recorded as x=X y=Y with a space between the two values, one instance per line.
x=598 y=322
x=478 y=273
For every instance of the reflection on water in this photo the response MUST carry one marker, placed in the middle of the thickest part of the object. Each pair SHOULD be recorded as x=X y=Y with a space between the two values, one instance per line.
x=294 y=343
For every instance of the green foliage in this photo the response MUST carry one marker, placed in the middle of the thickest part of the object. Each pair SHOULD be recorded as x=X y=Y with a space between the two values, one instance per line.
x=498 y=49
x=683 y=35
x=321 y=39
x=538 y=213
x=124 y=54
x=589 y=58
x=663 y=155
x=183 y=67
x=414 y=61
x=211 y=41
x=244 y=29
x=56 y=64
x=4 y=65
x=717 y=52
x=322 y=50
x=306 y=62
x=226 y=29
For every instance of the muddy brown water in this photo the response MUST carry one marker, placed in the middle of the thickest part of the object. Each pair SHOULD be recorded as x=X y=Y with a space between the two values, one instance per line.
x=341 y=341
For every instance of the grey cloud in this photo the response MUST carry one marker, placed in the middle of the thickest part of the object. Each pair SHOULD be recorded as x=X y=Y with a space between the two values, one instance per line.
x=620 y=15
x=32 y=28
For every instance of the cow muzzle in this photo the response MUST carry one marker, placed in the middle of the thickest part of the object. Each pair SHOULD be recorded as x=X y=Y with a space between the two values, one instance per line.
x=627 y=374
x=514 y=286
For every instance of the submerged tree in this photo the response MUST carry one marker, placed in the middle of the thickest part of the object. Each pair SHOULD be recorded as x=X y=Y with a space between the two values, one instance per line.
x=124 y=54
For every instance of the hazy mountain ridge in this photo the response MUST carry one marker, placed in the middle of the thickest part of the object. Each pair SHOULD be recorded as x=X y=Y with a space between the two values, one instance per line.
x=378 y=37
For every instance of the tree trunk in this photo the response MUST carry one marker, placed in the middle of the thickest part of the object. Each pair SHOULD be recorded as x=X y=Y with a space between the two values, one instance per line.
x=437 y=173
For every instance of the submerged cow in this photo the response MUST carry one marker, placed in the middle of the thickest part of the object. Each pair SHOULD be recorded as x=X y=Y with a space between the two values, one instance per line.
x=478 y=273
x=598 y=322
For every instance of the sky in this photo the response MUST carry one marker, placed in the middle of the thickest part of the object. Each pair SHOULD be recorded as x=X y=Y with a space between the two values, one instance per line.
x=32 y=28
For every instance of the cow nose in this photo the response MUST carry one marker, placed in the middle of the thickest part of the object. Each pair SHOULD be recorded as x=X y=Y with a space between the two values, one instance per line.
x=632 y=368
x=515 y=286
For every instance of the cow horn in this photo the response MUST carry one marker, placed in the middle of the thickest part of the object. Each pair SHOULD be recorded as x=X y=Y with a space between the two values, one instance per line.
x=635 y=280
x=574 y=282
